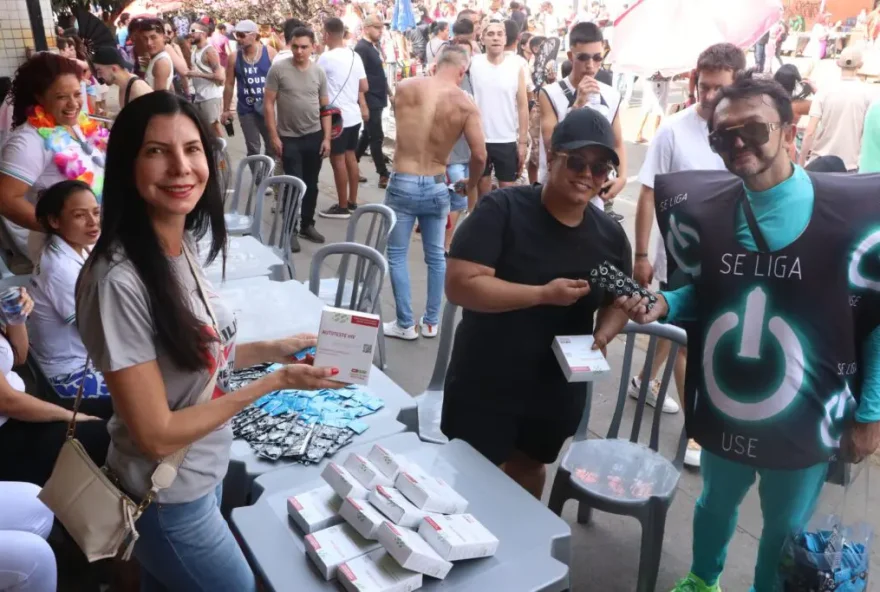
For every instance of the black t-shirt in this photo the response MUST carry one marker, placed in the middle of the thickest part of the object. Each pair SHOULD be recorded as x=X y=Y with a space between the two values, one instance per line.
x=512 y=232
x=377 y=95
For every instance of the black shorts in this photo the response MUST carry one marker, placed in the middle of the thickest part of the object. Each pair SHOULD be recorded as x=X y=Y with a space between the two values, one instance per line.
x=496 y=431
x=347 y=140
x=504 y=159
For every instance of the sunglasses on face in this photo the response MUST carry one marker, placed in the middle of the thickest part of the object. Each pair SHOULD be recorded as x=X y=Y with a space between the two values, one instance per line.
x=240 y=35
x=752 y=133
x=586 y=57
x=578 y=163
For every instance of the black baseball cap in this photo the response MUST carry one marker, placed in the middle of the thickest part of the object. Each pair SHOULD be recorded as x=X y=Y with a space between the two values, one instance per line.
x=109 y=56
x=584 y=127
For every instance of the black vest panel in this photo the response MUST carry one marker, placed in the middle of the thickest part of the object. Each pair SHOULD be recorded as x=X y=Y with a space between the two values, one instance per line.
x=774 y=358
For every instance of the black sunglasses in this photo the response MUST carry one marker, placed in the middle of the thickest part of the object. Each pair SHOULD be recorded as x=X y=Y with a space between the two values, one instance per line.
x=586 y=57
x=240 y=35
x=578 y=163
x=752 y=133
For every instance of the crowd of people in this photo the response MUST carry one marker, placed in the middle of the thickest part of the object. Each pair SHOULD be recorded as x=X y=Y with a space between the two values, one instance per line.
x=507 y=157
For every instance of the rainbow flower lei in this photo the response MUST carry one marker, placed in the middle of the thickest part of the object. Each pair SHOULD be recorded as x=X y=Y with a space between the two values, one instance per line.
x=67 y=159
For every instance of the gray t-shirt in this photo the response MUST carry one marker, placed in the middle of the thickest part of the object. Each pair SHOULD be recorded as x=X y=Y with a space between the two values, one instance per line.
x=115 y=321
x=298 y=107
x=461 y=152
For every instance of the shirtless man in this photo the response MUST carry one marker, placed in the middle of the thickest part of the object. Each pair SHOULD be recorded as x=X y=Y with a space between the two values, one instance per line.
x=110 y=68
x=418 y=189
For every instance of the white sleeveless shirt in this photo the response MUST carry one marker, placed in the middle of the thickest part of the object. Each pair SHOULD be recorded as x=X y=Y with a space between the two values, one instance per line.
x=203 y=88
x=148 y=75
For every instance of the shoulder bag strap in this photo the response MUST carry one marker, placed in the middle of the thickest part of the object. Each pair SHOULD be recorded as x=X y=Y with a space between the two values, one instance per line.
x=341 y=88
x=128 y=90
x=752 y=221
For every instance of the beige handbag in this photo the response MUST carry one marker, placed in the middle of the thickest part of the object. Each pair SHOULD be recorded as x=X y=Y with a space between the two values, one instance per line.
x=85 y=498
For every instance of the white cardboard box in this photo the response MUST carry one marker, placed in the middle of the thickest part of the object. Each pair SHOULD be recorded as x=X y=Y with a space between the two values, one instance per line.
x=316 y=509
x=579 y=362
x=457 y=537
x=366 y=472
x=346 y=340
x=428 y=493
x=388 y=463
x=395 y=506
x=377 y=571
x=412 y=551
x=342 y=482
x=362 y=516
x=331 y=547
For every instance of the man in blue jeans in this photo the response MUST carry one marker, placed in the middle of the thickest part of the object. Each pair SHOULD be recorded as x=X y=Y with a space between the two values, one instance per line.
x=418 y=190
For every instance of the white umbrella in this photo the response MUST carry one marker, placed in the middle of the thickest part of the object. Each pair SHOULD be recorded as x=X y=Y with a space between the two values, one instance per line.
x=667 y=36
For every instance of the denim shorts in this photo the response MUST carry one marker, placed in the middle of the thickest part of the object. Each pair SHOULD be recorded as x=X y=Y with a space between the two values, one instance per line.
x=456 y=172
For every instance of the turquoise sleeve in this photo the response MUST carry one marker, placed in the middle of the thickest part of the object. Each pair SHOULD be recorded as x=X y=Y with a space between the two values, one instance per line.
x=682 y=305
x=869 y=406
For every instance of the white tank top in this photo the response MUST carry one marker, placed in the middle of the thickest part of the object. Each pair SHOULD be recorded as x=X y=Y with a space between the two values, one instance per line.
x=495 y=89
x=204 y=89
x=148 y=75
x=6 y=361
x=608 y=107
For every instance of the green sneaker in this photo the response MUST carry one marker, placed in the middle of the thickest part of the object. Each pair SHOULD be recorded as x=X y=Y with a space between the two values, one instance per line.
x=693 y=583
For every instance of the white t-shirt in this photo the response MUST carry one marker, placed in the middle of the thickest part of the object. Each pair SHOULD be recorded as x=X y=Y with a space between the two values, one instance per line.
x=284 y=53
x=681 y=144
x=7 y=359
x=495 y=88
x=841 y=110
x=148 y=75
x=26 y=157
x=345 y=70
x=54 y=338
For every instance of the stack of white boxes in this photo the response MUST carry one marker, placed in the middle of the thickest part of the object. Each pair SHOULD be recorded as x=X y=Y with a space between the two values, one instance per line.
x=381 y=523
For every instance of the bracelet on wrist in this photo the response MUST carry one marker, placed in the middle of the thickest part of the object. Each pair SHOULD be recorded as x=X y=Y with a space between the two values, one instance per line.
x=641 y=255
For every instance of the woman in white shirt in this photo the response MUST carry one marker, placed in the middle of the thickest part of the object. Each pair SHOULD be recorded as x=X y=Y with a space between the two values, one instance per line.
x=26 y=559
x=51 y=142
x=71 y=218
x=32 y=430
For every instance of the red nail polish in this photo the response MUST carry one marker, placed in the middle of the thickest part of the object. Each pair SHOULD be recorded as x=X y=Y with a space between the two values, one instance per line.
x=334 y=371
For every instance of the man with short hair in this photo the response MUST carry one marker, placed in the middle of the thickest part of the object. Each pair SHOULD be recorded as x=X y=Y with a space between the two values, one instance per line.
x=499 y=84
x=430 y=114
x=578 y=90
x=300 y=132
x=476 y=29
x=247 y=70
x=457 y=167
x=518 y=267
x=159 y=70
x=289 y=25
x=346 y=85
x=112 y=69
x=207 y=77
x=784 y=371
x=837 y=115
x=377 y=95
x=518 y=15
x=681 y=144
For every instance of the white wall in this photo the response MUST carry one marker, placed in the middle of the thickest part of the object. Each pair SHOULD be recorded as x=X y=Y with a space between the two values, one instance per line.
x=16 y=35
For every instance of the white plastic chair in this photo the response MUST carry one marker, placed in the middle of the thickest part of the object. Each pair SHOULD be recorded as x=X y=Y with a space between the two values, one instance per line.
x=289 y=192
x=261 y=166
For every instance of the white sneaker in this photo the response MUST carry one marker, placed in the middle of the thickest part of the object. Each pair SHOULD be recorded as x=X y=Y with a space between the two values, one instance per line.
x=692 y=454
x=428 y=330
x=669 y=404
x=392 y=329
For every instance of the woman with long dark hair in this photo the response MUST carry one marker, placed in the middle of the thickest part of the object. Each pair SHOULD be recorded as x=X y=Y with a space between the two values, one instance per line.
x=161 y=335
x=52 y=141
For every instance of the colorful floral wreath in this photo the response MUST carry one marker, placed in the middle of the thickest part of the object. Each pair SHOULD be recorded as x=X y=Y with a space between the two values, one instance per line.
x=67 y=159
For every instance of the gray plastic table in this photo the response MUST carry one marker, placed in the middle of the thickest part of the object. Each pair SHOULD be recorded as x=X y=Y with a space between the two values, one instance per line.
x=534 y=549
x=246 y=257
x=266 y=309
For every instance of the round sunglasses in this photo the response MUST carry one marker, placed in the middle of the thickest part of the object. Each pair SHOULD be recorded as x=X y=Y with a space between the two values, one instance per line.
x=578 y=163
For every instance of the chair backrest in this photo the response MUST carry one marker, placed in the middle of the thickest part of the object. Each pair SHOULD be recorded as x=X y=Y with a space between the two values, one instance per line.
x=382 y=221
x=447 y=336
x=654 y=331
x=223 y=164
x=365 y=287
x=289 y=192
x=261 y=167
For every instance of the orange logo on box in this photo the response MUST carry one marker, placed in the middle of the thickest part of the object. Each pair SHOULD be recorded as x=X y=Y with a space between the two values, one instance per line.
x=310 y=539
x=431 y=521
x=295 y=503
x=354 y=503
x=364 y=321
x=382 y=491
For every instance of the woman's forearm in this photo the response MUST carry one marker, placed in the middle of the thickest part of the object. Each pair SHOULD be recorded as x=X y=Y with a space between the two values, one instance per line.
x=20 y=211
x=190 y=424
x=251 y=354
x=24 y=407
